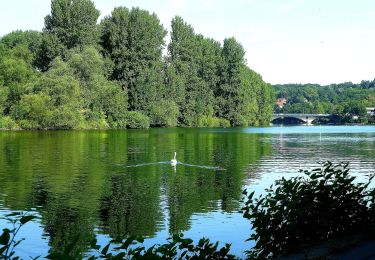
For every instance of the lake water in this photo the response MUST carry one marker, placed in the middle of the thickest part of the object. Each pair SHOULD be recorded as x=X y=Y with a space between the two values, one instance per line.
x=106 y=184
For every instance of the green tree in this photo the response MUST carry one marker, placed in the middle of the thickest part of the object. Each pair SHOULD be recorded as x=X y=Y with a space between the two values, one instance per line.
x=56 y=102
x=71 y=23
x=134 y=40
x=192 y=73
x=265 y=101
x=337 y=99
x=164 y=114
x=3 y=98
x=355 y=108
x=229 y=92
x=35 y=111
x=103 y=100
x=22 y=45
x=181 y=66
x=16 y=70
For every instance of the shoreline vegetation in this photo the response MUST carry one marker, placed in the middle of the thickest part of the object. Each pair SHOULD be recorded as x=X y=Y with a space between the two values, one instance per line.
x=120 y=73
x=321 y=213
x=346 y=102
x=81 y=74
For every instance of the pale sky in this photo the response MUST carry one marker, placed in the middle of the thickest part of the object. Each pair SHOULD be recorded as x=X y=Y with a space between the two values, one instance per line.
x=286 y=41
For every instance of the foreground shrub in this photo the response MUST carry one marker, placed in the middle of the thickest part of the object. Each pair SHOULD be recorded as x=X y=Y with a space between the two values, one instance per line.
x=323 y=204
x=8 y=240
x=177 y=247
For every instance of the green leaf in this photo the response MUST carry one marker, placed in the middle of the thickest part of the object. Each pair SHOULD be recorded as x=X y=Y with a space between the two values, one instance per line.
x=18 y=242
x=105 y=249
x=26 y=219
x=5 y=237
x=140 y=239
x=2 y=250
x=119 y=256
x=13 y=214
x=127 y=242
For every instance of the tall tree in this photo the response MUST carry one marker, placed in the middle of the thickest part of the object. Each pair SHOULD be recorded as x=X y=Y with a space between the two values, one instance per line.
x=242 y=97
x=229 y=91
x=71 y=23
x=134 y=41
x=180 y=71
x=192 y=76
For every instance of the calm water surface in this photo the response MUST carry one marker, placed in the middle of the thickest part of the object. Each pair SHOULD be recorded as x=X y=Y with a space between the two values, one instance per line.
x=108 y=183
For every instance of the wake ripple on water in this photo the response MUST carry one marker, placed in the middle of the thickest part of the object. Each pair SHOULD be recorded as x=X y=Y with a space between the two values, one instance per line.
x=217 y=168
x=147 y=164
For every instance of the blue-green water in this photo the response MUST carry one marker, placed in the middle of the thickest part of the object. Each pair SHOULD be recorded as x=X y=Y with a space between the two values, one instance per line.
x=108 y=183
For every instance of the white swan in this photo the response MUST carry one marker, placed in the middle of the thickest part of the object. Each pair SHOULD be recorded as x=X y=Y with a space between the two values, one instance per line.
x=174 y=161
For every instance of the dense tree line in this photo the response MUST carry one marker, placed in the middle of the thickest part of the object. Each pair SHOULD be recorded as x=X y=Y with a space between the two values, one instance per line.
x=339 y=99
x=78 y=74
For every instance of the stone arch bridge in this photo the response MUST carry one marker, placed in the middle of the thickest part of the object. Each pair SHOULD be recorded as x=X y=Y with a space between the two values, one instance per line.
x=307 y=118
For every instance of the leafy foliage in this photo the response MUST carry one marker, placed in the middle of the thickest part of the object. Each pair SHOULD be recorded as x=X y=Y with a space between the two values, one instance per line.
x=135 y=119
x=326 y=203
x=23 y=45
x=102 y=98
x=8 y=241
x=8 y=123
x=177 y=247
x=133 y=40
x=78 y=74
x=71 y=23
x=209 y=81
x=342 y=100
x=164 y=114
x=56 y=103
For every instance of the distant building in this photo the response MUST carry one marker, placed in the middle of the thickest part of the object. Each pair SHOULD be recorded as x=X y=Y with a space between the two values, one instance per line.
x=370 y=110
x=281 y=102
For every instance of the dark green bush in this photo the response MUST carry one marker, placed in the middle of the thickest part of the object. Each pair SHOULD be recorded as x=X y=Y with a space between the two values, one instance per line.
x=322 y=205
x=164 y=114
x=135 y=119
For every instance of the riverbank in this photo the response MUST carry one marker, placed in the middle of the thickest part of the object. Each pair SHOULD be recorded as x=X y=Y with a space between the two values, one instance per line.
x=16 y=128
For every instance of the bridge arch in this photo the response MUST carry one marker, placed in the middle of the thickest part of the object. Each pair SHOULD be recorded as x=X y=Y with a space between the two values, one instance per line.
x=306 y=118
